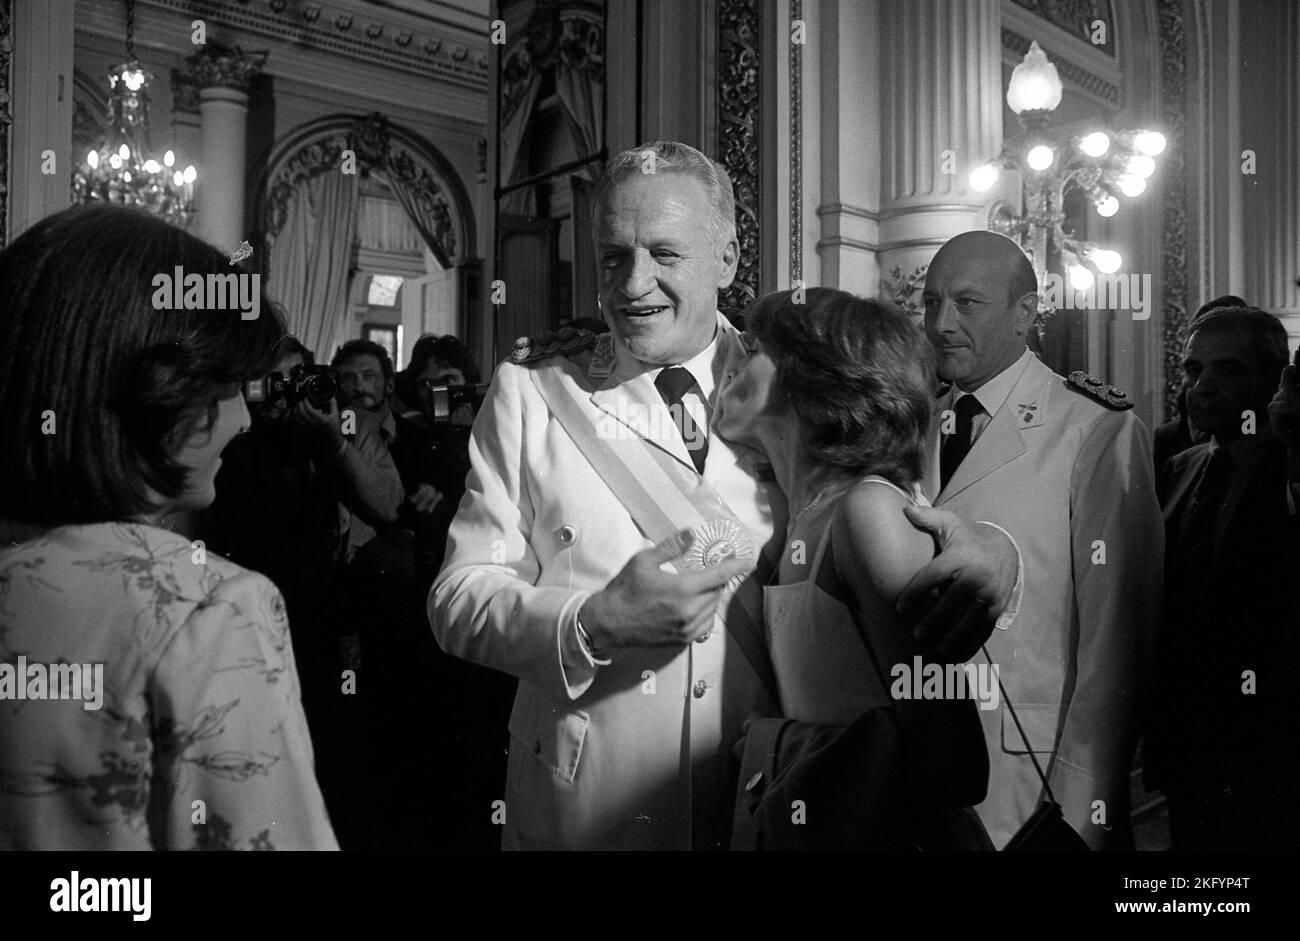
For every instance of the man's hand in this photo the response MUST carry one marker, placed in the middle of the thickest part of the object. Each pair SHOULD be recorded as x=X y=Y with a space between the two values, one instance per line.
x=956 y=597
x=320 y=425
x=643 y=606
x=425 y=499
x=1284 y=410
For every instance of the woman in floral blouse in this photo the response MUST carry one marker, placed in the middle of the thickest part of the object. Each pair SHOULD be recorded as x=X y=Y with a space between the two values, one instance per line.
x=148 y=694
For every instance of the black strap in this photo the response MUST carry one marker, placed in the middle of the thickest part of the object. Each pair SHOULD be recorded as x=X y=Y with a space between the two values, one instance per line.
x=1021 y=729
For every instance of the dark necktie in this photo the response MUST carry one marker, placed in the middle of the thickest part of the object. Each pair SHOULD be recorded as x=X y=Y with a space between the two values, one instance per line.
x=1208 y=499
x=958 y=444
x=673 y=383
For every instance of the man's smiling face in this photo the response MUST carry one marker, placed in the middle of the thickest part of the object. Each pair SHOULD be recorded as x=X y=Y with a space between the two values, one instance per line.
x=660 y=266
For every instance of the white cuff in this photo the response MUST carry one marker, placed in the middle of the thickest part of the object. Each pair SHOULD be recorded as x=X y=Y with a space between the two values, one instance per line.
x=1018 y=591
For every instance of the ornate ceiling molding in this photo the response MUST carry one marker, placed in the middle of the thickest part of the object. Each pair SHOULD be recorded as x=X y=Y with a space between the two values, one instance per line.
x=1076 y=17
x=215 y=65
x=738 y=138
x=404 y=159
x=366 y=33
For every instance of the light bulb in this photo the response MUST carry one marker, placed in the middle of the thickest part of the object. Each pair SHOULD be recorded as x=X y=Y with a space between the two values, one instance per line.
x=115 y=162
x=124 y=152
x=178 y=178
x=1040 y=157
x=1108 y=207
x=133 y=78
x=1150 y=143
x=1107 y=262
x=92 y=158
x=1132 y=186
x=190 y=174
x=1140 y=167
x=1095 y=144
x=982 y=178
x=151 y=166
x=126 y=176
x=169 y=158
x=1081 y=278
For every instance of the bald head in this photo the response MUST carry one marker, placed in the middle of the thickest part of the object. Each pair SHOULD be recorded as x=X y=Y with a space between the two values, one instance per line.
x=980 y=301
x=994 y=251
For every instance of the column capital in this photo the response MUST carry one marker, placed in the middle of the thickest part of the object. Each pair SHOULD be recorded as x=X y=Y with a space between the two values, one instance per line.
x=215 y=66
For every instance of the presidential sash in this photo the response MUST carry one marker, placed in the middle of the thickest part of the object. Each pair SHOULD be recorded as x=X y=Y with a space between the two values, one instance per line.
x=661 y=502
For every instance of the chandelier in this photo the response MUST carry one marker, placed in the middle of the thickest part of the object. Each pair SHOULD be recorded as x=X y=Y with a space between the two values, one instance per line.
x=124 y=169
x=1103 y=166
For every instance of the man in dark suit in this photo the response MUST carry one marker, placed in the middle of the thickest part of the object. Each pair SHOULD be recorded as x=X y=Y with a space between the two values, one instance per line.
x=1217 y=745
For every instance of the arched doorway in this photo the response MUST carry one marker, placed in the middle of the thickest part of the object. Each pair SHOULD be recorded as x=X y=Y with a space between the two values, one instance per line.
x=307 y=205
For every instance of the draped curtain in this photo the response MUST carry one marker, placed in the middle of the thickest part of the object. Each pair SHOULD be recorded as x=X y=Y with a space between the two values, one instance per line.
x=313 y=252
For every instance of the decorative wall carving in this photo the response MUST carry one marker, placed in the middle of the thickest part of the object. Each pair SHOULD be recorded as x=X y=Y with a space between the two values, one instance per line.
x=573 y=34
x=738 y=137
x=6 y=118
x=424 y=53
x=1072 y=73
x=405 y=160
x=1076 y=17
x=217 y=66
x=1173 y=108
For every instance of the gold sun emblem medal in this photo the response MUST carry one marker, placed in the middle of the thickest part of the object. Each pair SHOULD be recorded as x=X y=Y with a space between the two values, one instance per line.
x=715 y=542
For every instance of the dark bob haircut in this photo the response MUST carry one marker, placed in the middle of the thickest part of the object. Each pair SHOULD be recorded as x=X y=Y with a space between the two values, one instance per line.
x=858 y=374
x=98 y=390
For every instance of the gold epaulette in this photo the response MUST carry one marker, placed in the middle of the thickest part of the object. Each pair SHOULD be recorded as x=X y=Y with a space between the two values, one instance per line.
x=564 y=342
x=1099 y=391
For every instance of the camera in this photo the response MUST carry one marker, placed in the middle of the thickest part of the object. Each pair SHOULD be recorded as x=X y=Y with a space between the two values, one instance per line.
x=317 y=384
x=441 y=402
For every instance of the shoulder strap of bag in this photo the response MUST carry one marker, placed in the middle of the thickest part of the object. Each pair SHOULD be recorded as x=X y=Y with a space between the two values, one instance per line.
x=610 y=461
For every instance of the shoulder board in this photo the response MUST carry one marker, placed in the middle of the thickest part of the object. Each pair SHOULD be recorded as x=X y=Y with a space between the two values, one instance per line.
x=1099 y=391
x=564 y=342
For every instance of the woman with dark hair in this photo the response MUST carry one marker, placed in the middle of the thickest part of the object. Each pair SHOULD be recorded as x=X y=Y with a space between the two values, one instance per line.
x=837 y=393
x=148 y=693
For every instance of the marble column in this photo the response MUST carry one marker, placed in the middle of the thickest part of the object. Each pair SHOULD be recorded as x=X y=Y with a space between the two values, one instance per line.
x=223 y=77
x=941 y=97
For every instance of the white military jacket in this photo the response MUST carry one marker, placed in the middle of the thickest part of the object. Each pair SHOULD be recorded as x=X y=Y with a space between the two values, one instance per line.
x=635 y=754
x=1068 y=474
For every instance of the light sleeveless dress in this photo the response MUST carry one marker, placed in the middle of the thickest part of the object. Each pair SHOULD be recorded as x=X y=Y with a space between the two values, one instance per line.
x=823 y=670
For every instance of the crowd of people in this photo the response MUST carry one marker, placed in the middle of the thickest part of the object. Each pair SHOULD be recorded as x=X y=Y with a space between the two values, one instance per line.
x=832 y=581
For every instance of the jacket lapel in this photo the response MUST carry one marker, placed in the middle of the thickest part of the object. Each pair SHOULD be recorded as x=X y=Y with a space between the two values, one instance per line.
x=628 y=395
x=1003 y=440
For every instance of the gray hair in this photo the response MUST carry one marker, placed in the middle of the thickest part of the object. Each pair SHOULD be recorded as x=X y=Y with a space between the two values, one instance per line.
x=673 y=157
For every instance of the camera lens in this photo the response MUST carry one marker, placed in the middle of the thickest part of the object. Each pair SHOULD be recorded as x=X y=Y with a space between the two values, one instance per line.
x=319 y=390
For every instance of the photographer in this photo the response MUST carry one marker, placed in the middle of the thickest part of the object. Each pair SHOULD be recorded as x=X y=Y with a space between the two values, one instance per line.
x=286 y=496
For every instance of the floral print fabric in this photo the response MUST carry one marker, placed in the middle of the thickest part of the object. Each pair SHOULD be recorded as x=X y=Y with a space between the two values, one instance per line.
x=200 y=740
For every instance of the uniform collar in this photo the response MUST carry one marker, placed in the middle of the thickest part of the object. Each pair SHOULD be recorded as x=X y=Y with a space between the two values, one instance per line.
x=992 y=395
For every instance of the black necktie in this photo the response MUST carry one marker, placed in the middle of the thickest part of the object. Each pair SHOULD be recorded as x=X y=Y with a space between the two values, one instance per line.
x=958 y=444
x=673 y=383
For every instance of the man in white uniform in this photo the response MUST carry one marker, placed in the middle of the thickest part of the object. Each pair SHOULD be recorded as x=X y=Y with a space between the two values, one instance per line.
x=635 y=679
x=1065 y=467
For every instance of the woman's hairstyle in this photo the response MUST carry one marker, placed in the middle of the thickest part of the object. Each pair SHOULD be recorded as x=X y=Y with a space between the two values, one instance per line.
x=98 y=389
x=858 y=374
